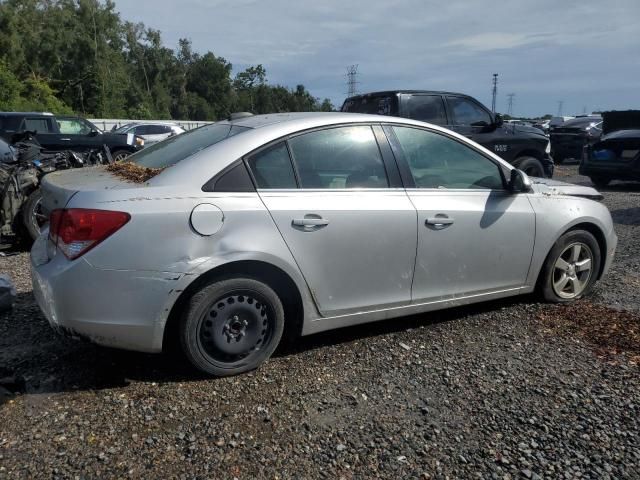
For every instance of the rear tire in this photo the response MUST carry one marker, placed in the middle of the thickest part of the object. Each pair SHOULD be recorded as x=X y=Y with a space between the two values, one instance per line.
x=571 y=268
x=231 y=326
x=32 y=216
x=529 y=165
x=600 y=182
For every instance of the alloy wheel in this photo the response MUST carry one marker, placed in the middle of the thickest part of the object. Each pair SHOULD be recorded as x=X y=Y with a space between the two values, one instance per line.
x=572 y=270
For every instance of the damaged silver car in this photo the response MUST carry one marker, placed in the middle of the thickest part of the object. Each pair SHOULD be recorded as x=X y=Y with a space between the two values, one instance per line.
x=290 y=224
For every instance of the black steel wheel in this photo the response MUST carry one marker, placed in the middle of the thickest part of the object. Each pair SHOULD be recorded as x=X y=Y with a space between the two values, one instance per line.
x=232 y=326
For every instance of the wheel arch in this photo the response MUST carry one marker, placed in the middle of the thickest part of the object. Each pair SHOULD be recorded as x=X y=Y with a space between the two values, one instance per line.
x=528 y=152
x=590 y=227
x=281 y=282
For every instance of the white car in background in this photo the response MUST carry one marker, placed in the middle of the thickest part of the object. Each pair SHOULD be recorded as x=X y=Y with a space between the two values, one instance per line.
x=152 y=132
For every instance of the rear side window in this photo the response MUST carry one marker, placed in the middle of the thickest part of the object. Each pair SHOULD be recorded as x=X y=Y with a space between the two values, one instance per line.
x=10 y=123
x=342 y=157
x=437 y=161
x=177 y=148
x=372 y=104
x=427 y=108
x=40 y=125
x=272 y=167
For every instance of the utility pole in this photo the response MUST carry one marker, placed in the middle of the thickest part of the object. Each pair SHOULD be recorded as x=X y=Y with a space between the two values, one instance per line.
x=560 y=104
x=495 y=92
x=352 y=82
x=510 y=103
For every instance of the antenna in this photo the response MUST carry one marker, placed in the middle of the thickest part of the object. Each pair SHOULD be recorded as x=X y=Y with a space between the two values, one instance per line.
x=495 y=92
x=510 y=103
x=352 y=72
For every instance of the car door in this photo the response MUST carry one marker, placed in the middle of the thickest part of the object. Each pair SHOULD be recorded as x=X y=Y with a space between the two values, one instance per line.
x=74 y=134
x=343 y=214
x=474 y=236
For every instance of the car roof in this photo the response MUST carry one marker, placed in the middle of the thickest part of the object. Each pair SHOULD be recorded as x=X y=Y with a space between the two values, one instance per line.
x=20 y=114
x=264 y=129
x=394 y=92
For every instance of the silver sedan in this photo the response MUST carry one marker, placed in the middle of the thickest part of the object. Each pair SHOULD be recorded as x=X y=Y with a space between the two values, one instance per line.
x=280 y=225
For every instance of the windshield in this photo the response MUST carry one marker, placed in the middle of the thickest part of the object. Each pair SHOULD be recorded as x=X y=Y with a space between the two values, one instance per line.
x=123 y=128
x=177 y=148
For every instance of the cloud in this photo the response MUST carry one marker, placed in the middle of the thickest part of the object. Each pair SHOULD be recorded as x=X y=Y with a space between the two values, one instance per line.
x=580 y=51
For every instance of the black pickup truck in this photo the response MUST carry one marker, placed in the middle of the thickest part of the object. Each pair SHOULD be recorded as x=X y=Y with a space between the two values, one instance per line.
x=527 y=148
x=63 y=132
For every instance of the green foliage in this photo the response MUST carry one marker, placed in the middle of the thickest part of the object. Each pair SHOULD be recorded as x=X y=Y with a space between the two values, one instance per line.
x=79 y=55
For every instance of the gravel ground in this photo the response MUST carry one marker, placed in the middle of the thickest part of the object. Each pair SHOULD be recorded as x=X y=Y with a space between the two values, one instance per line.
x=488 y=391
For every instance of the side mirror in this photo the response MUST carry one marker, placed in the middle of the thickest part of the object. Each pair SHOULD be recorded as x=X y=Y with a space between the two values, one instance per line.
x=93 y=133
x=498 y=120
x=519 y=182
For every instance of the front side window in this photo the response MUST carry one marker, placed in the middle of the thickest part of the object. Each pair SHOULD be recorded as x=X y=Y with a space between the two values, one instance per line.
x=272 y=167
x=437 y=161
x=71 y=126
x=341 y=157
x=427 y=108
x=467 y=112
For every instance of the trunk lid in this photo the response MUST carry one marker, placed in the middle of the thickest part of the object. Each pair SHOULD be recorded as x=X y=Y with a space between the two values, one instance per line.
x=58 y=187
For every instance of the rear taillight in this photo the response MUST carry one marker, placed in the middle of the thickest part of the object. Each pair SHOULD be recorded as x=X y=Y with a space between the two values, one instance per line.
x=75 y=231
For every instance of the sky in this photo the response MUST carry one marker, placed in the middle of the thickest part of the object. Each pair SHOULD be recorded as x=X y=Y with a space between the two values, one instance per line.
x=585 y=54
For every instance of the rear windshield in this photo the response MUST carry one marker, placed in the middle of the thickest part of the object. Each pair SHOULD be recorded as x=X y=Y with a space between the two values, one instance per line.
x=581 y=122
x=177 y=148
x=374 y=104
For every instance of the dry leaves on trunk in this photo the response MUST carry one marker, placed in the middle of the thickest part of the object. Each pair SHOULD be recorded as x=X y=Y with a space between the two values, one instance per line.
x=133 y=172
x=612 y=332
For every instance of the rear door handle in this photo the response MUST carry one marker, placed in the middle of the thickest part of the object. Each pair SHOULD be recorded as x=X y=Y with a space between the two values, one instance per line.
x=310 y=222
x=439 y=220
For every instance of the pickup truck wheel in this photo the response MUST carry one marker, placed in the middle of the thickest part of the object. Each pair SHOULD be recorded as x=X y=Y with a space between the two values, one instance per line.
x=32 y=215
x=600 y=182
x=119 y=155
x=529 y=165
x=231 y=326
x=571 y=268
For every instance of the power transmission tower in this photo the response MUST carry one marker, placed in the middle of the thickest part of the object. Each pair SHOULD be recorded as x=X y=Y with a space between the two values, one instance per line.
x=510 y=104
x=352 y=82
x=495 y=92
x=560 y=105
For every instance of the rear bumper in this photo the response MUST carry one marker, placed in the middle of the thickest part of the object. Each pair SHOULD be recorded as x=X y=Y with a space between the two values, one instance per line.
x=613 y=169
x=114 y=308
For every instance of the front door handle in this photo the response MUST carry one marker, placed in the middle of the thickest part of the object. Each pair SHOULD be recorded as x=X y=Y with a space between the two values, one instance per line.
x=439 y=220
x=310 y=222
x=66 y=139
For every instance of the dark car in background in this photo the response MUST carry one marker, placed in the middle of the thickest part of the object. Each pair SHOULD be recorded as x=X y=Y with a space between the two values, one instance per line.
x=525 y=147
x=616 y=156
x=569 y=139
x=66 y=132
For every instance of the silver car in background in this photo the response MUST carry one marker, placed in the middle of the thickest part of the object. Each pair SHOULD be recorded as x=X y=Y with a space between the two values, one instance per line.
x=291 y=224
x=152 y=132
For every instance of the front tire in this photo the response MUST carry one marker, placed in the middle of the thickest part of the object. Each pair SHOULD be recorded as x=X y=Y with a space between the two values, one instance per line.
x=231 y=326
x=119 y=155
x=571 y=268
x=529 y=165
